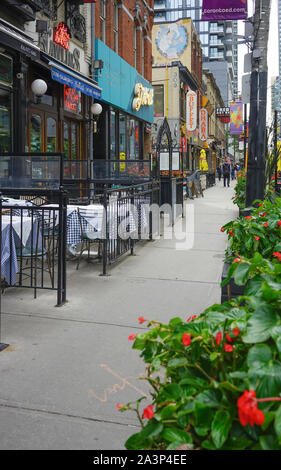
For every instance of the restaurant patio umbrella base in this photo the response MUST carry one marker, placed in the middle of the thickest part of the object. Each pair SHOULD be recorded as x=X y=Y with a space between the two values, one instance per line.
x=3 y=346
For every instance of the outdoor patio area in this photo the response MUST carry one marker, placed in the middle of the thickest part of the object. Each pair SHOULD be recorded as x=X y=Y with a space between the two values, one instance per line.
x=66 y=368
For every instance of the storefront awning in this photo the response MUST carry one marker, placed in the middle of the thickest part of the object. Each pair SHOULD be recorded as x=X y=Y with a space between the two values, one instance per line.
x=12 y=37
x=73 y=79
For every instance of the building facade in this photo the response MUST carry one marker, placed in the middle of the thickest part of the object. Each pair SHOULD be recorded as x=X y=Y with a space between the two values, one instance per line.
x=212 y=35
x=177 y=68
x=123 y=45
x=48 y=41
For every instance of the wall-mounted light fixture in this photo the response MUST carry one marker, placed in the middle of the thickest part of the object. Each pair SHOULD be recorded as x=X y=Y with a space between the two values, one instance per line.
x=39 y=88
x=96 y=110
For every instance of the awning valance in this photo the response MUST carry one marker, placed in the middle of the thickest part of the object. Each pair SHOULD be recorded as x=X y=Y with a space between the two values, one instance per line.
x=12 y=37
x=73 y=79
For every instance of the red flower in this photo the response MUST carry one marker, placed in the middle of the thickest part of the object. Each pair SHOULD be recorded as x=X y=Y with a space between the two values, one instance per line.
x=248 y=217
x=218 y=338
x=228 y=338
x=236 y=331
x=279 y=223
x=256 y=237
x=141 y=320
x=263 y=215
x=186 y=339
x=248 y=411
x=230 y=233
x=260 y=204
x=228 y=348
x=119 y=406
x=236 y=260
x=222 y=229
x=277 y=255
x=148 y=412
x=266 y=224
x=131 y=337
x=191 y=318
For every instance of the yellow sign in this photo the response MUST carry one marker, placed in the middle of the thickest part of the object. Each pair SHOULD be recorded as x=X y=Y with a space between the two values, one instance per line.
x=122 y=166
x=143 y=97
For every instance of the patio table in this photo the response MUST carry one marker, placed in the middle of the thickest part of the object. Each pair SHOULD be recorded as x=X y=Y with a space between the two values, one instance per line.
x=13 y=235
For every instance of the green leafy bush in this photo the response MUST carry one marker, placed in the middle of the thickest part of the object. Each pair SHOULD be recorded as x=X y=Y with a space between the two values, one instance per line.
x=240 y=189
x=259 y=232
x=216 y=378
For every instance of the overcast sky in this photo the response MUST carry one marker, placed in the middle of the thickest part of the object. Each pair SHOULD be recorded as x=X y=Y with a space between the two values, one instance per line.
x=273 y=51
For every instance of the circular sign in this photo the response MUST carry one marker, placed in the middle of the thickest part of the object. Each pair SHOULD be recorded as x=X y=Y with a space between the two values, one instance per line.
x=171 y=40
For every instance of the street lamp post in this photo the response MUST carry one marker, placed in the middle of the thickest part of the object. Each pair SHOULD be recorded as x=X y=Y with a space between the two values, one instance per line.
x=257 y=120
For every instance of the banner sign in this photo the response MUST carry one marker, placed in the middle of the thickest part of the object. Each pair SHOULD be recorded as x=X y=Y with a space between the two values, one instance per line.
x=183 y=144
x=236 y=118
x=203 y=124
x=224 y=10
x=191 y=111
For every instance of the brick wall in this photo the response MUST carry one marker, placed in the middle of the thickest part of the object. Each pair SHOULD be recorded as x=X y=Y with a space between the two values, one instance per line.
x=131 y=14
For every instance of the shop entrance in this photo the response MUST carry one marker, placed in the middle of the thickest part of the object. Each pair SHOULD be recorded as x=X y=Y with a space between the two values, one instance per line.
x=42 y=132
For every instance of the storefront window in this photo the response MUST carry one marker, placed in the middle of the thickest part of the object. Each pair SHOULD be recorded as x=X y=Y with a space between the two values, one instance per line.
x=6 y=82
x=36 y=133
x=132 y=139
x=137 y=140
x=122 y=133
x=158 y=100
x=112 y=136
x=51 y=135
x=65 y=140
x=74 y=142
x=5 y=121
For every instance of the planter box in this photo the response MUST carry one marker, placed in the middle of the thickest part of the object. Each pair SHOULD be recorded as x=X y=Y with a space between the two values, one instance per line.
x=231 y=289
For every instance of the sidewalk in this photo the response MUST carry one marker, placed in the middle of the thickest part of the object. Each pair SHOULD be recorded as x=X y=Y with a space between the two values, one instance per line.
x=66 y=368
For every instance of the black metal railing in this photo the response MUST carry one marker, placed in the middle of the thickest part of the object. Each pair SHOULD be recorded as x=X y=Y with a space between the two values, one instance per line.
x=33 y=242
x=127 y=218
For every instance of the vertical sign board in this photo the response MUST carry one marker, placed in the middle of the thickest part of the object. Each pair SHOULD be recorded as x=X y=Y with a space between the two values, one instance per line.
x=203 y=124
x=191 y=111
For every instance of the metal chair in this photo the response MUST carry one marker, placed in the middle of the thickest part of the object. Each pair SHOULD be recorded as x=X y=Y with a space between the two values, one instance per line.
x=89 y=235
x=39 y=250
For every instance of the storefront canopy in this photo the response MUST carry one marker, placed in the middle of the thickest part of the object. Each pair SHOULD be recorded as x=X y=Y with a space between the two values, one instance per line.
x=73 y=79
x=14 y=38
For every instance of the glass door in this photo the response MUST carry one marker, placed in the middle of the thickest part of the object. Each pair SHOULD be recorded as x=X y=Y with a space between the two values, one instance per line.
x=43 y=130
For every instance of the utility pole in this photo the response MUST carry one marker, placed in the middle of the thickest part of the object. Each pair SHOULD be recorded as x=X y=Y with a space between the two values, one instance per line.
x=257 y=120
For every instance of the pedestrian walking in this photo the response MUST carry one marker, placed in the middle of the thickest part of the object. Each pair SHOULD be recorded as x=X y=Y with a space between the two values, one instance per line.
x=233 y=173
x=226 y=173
x=219 y=171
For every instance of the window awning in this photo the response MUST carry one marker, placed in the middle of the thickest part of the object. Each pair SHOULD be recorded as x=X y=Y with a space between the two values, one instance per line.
x=73 y=79
x=12 y=37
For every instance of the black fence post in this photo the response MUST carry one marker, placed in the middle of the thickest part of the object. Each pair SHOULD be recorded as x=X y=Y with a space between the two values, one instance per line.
x=105 y=233
x=132 y=204
x=2 y=345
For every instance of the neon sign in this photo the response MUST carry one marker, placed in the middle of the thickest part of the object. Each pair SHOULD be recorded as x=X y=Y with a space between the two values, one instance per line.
x=62 y=35
x=71 y=99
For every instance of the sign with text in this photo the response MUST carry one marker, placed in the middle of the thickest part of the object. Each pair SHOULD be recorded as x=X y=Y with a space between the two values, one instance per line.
x=191 y=110
x=224 y=10
x=203 y=124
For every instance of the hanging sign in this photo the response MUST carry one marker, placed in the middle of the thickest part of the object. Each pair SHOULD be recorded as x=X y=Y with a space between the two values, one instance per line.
x=203 y=124
x=223 y=114
x=236 y=118
x=224 y=10
x=183 y=144
x=191 y=110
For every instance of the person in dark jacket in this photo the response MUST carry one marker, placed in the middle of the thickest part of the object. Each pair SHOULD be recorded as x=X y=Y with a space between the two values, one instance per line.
x=226 y=173
x=219 y=171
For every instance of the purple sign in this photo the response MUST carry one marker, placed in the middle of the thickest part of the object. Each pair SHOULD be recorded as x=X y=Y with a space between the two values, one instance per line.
x=224 y=10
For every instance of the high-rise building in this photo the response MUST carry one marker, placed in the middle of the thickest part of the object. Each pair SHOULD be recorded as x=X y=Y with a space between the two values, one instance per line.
x=219 y=57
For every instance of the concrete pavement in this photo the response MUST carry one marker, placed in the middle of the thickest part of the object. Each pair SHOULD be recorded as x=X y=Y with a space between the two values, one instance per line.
x=66 y=368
